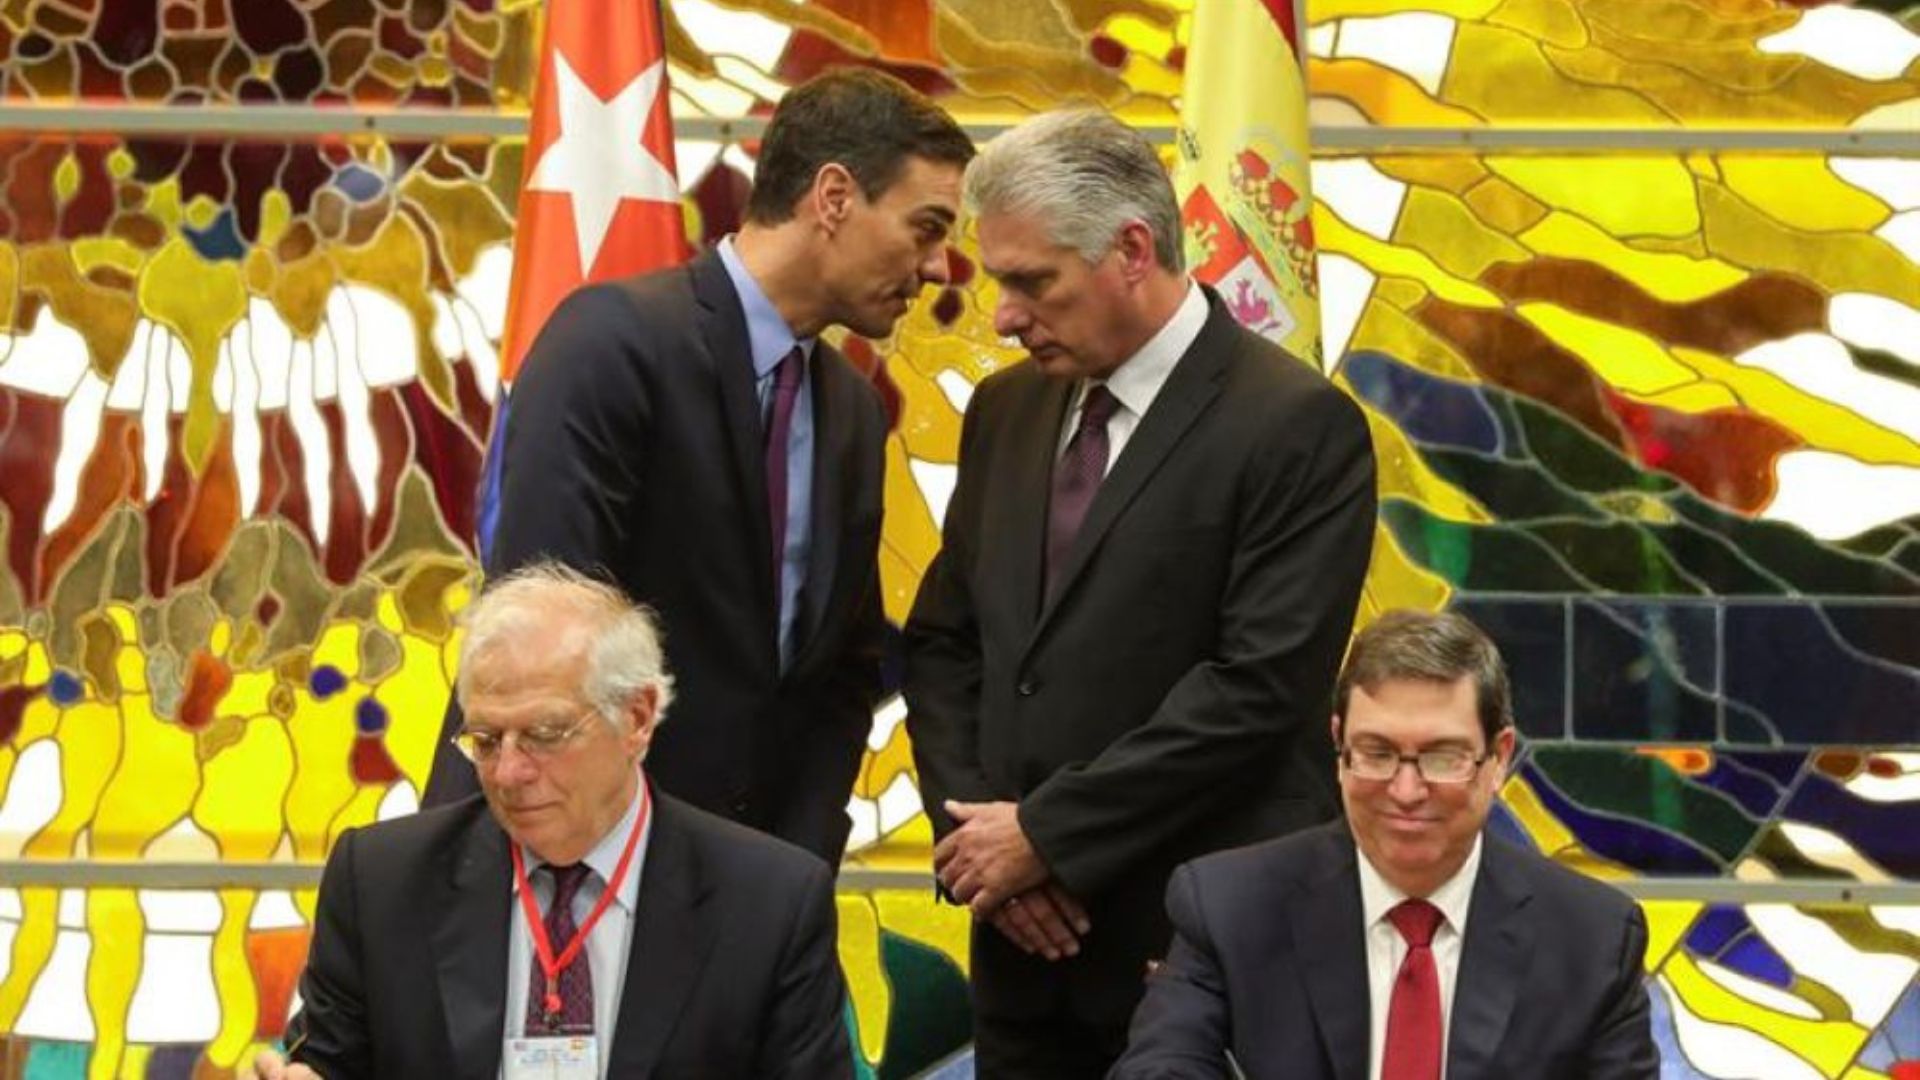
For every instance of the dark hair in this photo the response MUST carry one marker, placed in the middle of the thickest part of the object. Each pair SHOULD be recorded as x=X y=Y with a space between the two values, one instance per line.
x=1430 y=647
x=865 y=120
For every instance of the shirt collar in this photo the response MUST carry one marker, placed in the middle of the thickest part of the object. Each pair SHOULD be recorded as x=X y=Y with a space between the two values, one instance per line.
x=768 y=336
x=1138 y=379
x=604 y=859
x=1377 y=896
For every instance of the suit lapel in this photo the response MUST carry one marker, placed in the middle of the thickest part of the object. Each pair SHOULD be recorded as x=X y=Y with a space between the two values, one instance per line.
x=1190 y=388
x=1331 y=946
x=673 y=931
x=470 y=948
x=833 y=434
x=724 y=327
x=1493 y=961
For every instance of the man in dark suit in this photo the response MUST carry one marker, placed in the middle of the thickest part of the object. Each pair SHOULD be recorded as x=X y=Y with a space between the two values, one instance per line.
x=687 y=435
x=1405 y=937
x=440 y=942
x=1150 y=565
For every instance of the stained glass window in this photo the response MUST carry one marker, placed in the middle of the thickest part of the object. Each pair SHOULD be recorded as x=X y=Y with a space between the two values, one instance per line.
x=1648 y=410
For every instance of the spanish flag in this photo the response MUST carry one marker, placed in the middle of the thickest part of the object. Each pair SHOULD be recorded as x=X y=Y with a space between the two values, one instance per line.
x=1242 y=175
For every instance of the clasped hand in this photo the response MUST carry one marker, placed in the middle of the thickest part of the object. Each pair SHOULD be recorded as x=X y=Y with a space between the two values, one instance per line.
x=988 y=863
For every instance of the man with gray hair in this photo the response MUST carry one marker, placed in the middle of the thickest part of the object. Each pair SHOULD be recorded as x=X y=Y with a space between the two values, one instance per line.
x=1150 y=566
x=569 y=921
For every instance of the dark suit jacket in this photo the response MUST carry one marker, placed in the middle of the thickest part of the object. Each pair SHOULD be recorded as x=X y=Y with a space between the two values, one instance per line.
x=731 y=971
x=1269 y=959
x=633 y=446
x=1172 y=698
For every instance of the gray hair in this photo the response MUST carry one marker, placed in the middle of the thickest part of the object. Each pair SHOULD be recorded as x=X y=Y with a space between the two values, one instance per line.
x=1084 y=174
x=624 y=654
x=1424 y=646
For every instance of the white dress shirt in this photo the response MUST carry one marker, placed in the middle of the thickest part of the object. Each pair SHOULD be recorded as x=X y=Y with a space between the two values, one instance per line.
x=607 y=944
x=1140 y=377
x=1386 y=949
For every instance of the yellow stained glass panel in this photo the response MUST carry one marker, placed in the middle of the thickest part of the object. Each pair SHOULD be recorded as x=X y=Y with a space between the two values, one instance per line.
x=1626 y=359
x=1676 y=278
x=1802 y=192
x=1634 y=196
x=1829 y=1044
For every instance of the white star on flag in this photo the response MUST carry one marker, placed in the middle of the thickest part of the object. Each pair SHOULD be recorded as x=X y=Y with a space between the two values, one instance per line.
x=601 y=157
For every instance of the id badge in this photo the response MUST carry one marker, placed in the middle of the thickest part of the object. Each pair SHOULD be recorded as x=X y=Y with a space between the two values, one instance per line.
x=556 y=1057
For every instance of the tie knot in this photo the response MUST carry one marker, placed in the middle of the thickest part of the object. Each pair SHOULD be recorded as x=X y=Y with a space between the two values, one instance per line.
x=566 y=882
x=1416 y=920
x=1098 y=408
x=786 y=373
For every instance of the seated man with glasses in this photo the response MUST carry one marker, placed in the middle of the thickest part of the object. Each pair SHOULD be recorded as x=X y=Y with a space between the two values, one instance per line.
x=570 y=921
x=1404 y=942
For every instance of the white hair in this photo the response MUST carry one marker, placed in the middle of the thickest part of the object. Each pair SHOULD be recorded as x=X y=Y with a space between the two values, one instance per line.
x=624 y=654
x=1085 y=175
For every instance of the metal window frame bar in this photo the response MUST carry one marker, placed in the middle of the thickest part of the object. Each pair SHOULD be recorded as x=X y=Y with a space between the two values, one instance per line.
x=84 y=874
x=318 y=121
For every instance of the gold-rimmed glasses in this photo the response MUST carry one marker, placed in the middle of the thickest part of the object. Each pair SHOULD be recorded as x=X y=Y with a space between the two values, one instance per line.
x=483 y=746
x=1440 y=765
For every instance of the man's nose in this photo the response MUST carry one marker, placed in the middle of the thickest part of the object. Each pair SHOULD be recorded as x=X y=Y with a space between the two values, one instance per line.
x=937 y=267
x=1407 y=785
x=1009 y=317
x=512 y=765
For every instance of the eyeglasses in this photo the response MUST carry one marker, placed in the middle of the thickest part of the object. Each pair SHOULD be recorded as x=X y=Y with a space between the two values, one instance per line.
x=482 y=746
x=1444 y=765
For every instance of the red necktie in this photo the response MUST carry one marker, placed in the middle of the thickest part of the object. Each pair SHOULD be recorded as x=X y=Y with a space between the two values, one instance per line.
x=1076 y=477
x=576 y=982
x=786 y=390
x=1413 y=1013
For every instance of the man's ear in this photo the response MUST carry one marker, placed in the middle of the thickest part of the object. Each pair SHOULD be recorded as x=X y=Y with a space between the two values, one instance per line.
x=1333 y=728
x=832 y=195
x=1503 y=746
x=640 y=717
x=1135 y=245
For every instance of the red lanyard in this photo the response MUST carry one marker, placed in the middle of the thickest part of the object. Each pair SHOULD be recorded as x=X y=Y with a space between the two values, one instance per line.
x=550 y=965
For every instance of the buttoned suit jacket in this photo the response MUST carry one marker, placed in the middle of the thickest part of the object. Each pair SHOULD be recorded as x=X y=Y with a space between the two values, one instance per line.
x=731 y=971
x=634 y=449
x=1170 y=698
x=1269 y=960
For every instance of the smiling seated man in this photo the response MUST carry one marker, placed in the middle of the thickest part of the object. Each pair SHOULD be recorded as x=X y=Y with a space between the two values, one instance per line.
x=439 y=950
x=1404 y=942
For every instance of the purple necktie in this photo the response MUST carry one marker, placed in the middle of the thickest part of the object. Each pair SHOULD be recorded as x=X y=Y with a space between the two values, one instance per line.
x=576 y=981
x=786 y=390
x=1076 y=477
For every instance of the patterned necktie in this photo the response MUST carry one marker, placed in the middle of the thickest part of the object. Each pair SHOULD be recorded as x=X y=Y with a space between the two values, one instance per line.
x=786 y=390
x=576 y=982
x=1413 y=1013
x=1076 y=476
